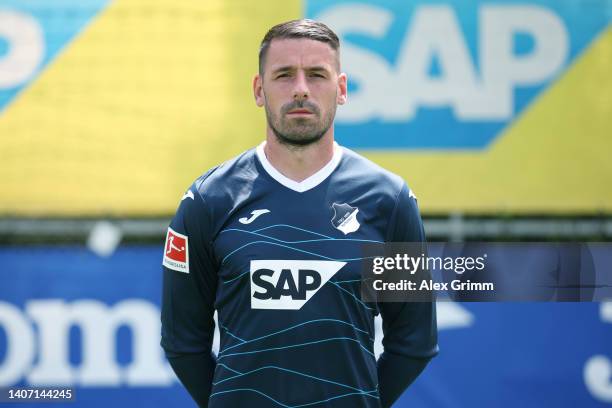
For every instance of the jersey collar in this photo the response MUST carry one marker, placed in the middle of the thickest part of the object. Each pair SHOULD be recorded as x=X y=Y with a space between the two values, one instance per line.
x=306 y=184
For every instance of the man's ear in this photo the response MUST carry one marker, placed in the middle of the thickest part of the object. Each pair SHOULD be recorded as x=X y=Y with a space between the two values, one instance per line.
x=342 y=89
x=258 y=90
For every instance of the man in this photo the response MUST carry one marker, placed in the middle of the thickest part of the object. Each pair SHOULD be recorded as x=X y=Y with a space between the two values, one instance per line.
x=271 y=240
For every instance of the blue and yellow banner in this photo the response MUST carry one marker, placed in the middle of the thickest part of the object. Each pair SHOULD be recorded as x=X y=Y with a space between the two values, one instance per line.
x=488 y=107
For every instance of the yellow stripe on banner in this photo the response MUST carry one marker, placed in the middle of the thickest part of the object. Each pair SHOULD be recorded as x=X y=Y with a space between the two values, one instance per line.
x=555 y=158
x=147 y=98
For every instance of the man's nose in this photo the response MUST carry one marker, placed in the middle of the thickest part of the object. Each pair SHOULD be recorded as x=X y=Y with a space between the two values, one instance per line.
x=300 y=90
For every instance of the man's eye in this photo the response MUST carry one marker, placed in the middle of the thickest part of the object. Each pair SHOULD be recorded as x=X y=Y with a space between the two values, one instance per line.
x=317 y=75
x=285 y=75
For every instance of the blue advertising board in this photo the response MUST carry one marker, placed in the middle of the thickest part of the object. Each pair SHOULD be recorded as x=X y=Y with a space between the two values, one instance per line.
x=69 y=317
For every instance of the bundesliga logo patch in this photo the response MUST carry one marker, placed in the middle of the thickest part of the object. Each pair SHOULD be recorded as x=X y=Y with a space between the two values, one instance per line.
x=176 y=252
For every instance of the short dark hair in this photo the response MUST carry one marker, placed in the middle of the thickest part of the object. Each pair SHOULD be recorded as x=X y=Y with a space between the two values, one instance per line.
x=303 y=28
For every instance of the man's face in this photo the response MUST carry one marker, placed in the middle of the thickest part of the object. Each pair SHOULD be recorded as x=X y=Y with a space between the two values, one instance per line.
x=300 y=89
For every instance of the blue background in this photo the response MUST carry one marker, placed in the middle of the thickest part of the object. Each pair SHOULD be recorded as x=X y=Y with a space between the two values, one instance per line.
x=527 y=355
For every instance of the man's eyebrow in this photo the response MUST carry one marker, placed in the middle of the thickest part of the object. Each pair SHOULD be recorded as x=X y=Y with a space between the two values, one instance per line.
x=317 y=68
x=284 y=68
x=288 y=68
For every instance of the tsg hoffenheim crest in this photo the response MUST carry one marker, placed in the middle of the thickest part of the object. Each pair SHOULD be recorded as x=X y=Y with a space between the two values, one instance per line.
x=345 y=218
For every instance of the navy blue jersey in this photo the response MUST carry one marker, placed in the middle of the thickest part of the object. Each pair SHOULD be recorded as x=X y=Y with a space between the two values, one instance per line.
x=280 y=261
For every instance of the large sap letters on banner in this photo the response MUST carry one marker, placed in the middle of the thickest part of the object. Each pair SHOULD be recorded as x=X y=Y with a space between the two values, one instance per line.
x=68 y=317
x=458 y=72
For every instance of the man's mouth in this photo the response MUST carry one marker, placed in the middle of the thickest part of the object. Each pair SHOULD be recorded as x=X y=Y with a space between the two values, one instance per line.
x=299 y=112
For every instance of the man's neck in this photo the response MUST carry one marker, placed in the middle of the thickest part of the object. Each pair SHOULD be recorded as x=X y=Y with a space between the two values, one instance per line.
x=299 y=162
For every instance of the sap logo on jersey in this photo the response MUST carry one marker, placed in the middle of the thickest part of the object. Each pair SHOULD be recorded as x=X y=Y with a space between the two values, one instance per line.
x=288 y=285
x=176 y=252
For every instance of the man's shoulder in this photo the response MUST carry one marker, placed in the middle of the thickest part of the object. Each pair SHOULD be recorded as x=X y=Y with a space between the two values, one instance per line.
x=228 y=176
x=370 y=175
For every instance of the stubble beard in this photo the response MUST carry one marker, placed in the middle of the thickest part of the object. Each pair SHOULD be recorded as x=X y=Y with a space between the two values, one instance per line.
x=299 y=132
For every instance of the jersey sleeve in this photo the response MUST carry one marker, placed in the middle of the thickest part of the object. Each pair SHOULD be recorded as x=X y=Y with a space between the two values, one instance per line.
x=405 y=224
x=189 y=279
x=409 y=328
